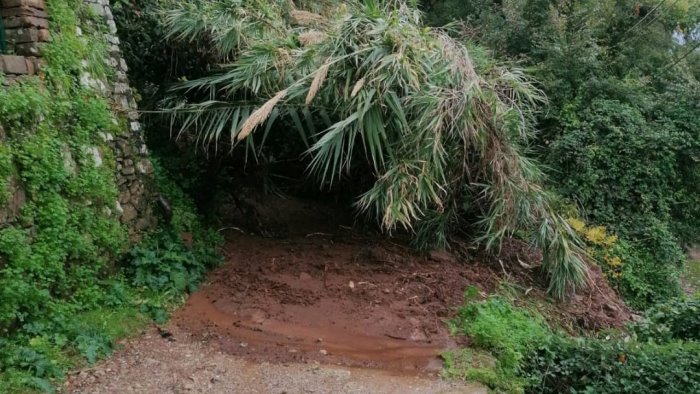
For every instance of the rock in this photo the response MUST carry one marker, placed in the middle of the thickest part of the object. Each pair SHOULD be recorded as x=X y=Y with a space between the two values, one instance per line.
x=124 y=197
x=128 y=170
x=18 y=197
x=324 y=352
x=13 y=64
x=258 y=316
x=142 y=224
x=129 y=214
x=118 y=208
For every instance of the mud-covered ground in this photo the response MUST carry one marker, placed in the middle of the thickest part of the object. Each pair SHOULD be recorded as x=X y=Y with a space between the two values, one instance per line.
x=328 y=308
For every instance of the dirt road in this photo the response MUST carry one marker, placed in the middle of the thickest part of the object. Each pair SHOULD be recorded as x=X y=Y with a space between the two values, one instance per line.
x=181 y=364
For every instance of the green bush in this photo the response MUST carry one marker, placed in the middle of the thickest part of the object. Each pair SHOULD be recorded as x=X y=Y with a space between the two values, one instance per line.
x=613 y=365
x=642 y=203
x=673 y=320
x=513 y=350
x=164 y=264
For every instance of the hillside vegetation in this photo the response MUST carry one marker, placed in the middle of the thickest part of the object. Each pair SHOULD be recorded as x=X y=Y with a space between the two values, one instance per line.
x=457 y=124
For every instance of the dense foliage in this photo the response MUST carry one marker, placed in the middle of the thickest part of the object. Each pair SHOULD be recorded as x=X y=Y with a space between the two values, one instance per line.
x=614 y=366
x=515 y=351
x=443 y=129
x=622 y=133
x=66 y=290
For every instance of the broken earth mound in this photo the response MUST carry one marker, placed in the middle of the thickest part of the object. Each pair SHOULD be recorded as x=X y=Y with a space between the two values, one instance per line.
x=339 y=299
x=323 y=292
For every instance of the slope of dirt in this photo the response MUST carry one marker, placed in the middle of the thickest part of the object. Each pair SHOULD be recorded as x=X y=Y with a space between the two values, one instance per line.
x=326 y=293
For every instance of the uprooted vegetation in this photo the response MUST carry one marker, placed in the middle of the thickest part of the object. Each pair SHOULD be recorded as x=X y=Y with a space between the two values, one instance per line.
x=442 y=128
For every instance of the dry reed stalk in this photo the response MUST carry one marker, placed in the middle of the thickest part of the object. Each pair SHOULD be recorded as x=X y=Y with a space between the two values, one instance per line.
x=311 y=37
x=260 y=115
x=305 y=18
x=316 y=83
x=358 y=85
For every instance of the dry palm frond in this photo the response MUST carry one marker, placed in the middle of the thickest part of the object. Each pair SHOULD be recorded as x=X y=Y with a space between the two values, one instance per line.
x=311 y=37
x=358 y=85
x=260 y=115
x=305 y=18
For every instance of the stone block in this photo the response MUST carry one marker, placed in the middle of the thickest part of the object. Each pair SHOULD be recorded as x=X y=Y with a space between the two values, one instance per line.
x=28 y=49
x=13 y=64
x=23 y=11
x=124 y=197
x=23 y=3
x=31 y=70
x=44 y=35
x=11 y=209
x=14 y=22
x=23 y=35
x=98 y=9
x=37 y=62
x=129 y=214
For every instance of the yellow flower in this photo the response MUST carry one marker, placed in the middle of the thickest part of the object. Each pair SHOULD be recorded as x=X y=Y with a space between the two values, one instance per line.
x=614 y=261
x=596 y=235
x=610 y=240
x=578 y=225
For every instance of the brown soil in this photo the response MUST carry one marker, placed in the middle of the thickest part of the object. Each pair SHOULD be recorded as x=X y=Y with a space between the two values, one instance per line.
x=328 y=294
x=336 y=299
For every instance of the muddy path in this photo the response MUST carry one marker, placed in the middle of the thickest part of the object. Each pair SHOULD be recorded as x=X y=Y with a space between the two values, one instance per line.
x=314 y=313
x=326 y=309
x=180 y=363
x=338 y=299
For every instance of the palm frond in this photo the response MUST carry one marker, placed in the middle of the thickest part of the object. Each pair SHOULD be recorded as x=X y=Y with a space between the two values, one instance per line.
x=444 y=132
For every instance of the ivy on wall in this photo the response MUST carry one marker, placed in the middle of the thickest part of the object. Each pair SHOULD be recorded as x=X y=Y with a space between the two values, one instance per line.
x=57 y=252
x=68 y=285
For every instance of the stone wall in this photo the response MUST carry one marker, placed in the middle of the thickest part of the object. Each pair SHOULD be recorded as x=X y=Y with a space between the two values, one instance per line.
x=134 y=177
x=26 y=26
x=26 y=23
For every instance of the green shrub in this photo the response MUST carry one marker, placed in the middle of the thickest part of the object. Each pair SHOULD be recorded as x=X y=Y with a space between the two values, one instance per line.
x=164 y=264
x=514 y=351
x=614 y=365
x=673 y=320
x=641 y=203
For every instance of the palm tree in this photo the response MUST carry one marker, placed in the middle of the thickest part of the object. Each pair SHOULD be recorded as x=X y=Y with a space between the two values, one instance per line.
x=443 y=128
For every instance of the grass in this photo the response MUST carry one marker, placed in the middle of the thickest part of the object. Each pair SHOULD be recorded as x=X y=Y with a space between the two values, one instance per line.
x=501 y=336
x=690 y=278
